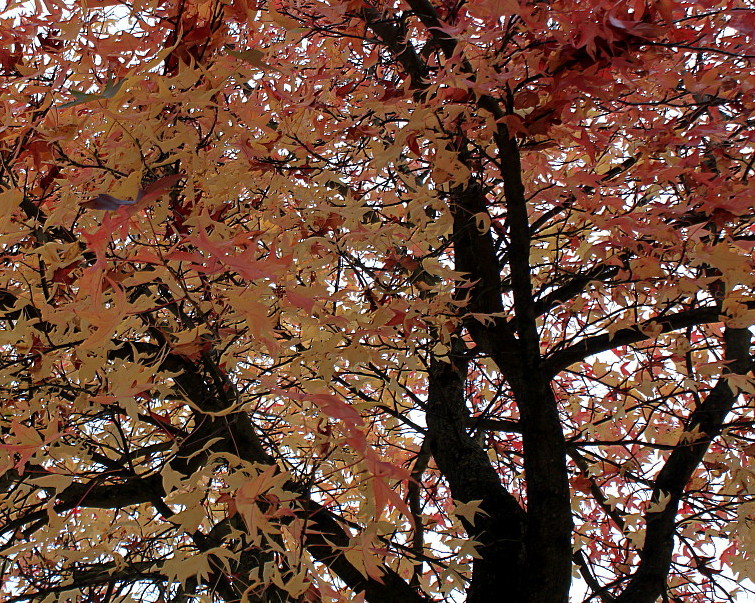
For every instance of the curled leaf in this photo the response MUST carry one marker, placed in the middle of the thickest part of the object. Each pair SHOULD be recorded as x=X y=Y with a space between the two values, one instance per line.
x=152 y=191
x=110 y=90
x=107 y=202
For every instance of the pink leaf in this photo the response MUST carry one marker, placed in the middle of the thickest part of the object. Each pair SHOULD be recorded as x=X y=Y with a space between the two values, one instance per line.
x=158 y=187
x=336 y=408
x=300 y=301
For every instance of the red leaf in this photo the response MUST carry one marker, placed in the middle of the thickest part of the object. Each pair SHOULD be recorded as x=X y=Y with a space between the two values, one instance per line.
x=336 y=408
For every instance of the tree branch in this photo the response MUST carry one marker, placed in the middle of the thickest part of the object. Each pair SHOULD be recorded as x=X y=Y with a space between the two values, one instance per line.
x=574 y=286
x=393 y=38
x=703 y=425
x=499 y=529
x=327 y=540
x=561 y=359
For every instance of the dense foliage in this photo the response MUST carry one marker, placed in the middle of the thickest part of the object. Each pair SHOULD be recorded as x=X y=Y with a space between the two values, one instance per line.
x=404 y=301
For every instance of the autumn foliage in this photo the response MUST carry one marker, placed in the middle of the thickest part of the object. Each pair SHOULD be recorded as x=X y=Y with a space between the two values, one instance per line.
x=399 y=302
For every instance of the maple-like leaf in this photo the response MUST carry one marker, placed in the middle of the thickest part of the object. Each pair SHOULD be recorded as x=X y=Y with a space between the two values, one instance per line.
x=290 y=291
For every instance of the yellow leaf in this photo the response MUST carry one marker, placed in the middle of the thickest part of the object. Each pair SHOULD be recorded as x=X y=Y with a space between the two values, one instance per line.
x=190 y=519
x=468 y=510
x=659 y=505
x=482 y=220
x=252 y=56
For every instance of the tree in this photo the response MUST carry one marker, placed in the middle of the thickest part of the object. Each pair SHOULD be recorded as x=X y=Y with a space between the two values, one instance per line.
x=394 y=302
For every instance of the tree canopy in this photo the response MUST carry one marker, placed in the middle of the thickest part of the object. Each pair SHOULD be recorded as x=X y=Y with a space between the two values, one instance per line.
x=387 y=301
